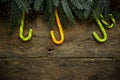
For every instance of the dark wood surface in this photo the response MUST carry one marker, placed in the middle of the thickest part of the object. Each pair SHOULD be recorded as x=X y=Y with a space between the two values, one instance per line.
x=59 y=69
x=80 y=57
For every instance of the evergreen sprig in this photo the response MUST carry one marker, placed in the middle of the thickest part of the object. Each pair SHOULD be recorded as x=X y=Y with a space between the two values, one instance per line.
x=69 y=10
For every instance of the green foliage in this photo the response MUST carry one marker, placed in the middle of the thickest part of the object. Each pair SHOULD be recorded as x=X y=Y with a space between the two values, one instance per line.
x=23 y=5
x=13 y=16
x=37 y=4
x=55 y=2
x=4 y=1
x=68 y=10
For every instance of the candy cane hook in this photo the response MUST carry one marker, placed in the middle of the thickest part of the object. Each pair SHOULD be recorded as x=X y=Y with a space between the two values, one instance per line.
x=106 y=23
x=60 y=30
x=21 y=30
x=102 y=30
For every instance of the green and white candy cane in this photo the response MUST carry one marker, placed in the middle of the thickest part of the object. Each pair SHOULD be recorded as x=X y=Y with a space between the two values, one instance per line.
x=21 y=30
x=106 y=23
x=102 y=30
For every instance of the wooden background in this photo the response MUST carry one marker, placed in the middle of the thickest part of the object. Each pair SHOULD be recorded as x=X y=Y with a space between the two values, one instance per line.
x=80 y=57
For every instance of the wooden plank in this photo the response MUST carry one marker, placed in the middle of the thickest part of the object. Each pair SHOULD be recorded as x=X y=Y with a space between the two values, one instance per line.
x=59 y=69
x=78 y=42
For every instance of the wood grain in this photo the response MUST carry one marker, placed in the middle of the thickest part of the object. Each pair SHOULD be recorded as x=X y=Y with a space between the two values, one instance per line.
x=79 y=42
x=80 y=57
x=59 y=69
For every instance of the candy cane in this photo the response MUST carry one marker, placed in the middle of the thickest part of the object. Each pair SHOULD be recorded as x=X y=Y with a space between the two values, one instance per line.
x=106 y=23
x=21 y=30
x=60 y=30
x=102 y=30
